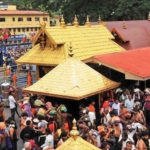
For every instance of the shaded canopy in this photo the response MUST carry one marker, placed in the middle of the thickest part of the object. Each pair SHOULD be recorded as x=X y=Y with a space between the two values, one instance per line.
x=72 y=79
x=87 y=41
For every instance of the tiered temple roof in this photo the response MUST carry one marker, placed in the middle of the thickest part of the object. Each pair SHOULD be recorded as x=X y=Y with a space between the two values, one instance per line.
x=88 y=41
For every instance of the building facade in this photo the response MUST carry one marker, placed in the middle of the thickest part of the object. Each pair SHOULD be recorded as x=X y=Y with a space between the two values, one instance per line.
x=18 y=21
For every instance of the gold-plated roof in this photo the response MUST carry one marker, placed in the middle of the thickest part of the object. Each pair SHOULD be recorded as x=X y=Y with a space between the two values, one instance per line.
x=43 y=57
x=87 y=42
x=72 y=79
x=75 y=142
x=78 y=144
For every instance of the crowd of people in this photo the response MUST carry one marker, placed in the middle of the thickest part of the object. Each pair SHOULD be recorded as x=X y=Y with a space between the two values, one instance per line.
x=122 y=122
x=16 y=51
x=12 y=53
x=6 y=35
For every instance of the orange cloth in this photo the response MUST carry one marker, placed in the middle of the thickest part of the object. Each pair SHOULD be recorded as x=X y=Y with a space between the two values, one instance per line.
x=106 y=104
x=24 y=40
x=67 y=127
x=33 y=110
x=53 y=127
x=91 y=108
x=14 y=79
x=8 y=71
x=29 y=80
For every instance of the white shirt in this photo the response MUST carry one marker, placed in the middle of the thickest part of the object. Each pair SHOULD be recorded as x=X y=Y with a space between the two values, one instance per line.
x=49 y=141
x=125 y=142
x=136 y=125
x=92 y=116
x=116 y=107
x=12 y=102
x=123 y=97
x=129 y=104
x=107 y=118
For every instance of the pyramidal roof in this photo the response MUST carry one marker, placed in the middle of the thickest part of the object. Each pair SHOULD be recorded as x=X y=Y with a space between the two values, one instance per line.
x=72 y=79
x=88 y=41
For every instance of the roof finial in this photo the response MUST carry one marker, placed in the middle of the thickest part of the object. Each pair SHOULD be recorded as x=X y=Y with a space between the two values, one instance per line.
x=99 y=20
x=62 y=21
x=70 y=50
x=76 y=21
x=124 y=25
x=74 y=132
x=149 y=16
x=87 y=21
x=43 y=25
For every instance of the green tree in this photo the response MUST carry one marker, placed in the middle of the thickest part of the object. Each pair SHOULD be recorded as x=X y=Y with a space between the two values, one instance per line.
x=23 y=4
x=108 y=10
x=53 y=7
x=131 y=10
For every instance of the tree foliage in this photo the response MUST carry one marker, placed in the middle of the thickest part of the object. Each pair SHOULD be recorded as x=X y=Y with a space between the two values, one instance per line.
x=108 y=10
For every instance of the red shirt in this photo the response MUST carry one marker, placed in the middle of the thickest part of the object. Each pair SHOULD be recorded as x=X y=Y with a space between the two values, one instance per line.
x=91 y=108
x=6 y=36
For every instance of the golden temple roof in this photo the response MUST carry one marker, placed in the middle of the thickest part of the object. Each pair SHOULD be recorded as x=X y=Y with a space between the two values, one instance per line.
x=88 y=41
x=76 y=143
x=72 y=79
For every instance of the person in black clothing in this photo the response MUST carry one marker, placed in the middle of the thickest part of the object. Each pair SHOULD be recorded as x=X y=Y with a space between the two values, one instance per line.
x=27 y=130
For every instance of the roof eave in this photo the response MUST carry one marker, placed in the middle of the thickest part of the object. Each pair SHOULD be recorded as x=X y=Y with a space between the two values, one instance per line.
x=137 y=77
x=33 y=63
x=71 y=97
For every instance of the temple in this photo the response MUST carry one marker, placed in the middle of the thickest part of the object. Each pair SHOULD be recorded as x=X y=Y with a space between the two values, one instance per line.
x=71 y=80
x=50 y=46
